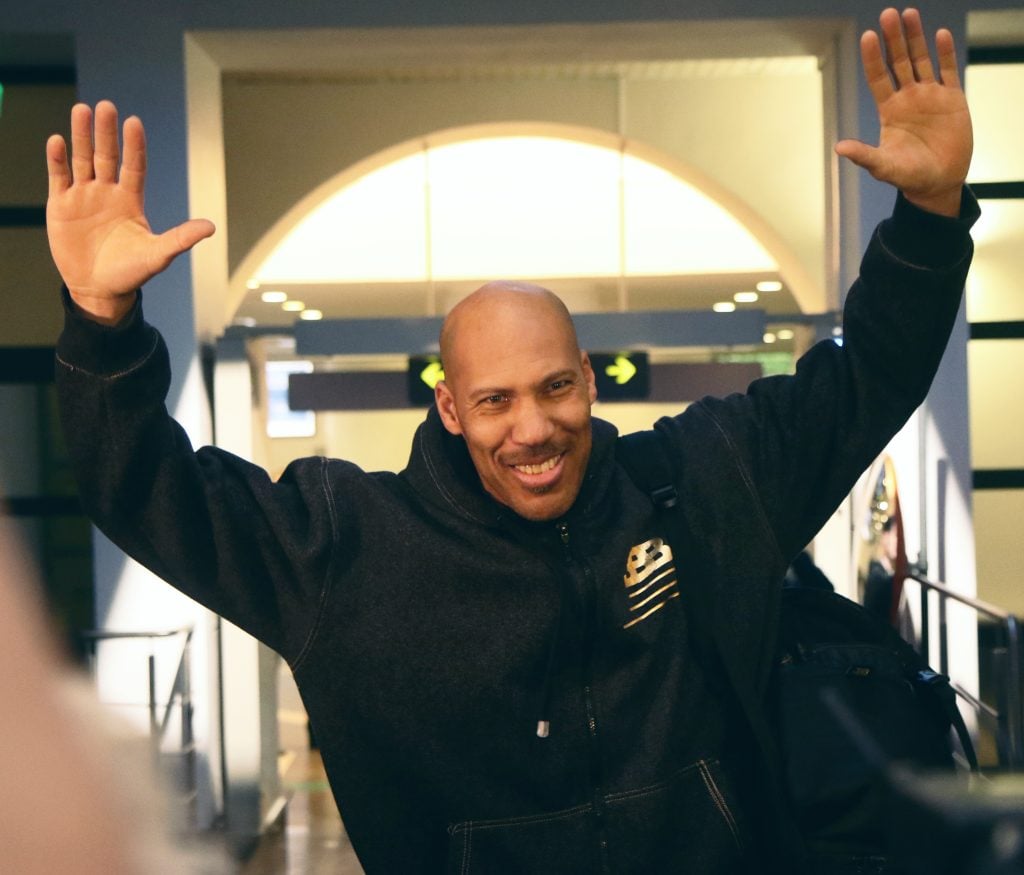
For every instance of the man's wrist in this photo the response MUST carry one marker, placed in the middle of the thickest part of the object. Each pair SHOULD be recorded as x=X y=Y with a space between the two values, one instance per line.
x=106 y=310
x=946 y=203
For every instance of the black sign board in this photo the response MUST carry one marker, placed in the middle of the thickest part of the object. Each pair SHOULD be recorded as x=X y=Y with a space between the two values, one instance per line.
x=621 y=376
x=424 y=372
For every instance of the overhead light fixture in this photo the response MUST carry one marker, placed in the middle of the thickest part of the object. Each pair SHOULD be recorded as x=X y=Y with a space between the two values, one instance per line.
x=252 y=285
x=311 y=315
x=769 y=286
x=293 y=306
x=769 y=337
x=723 y=307
x=745 y=297
x=785 y=334
x=274 y=297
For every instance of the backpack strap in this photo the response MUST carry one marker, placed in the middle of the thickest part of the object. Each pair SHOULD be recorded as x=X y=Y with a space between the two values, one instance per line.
x=946 y=696
x=647 y=459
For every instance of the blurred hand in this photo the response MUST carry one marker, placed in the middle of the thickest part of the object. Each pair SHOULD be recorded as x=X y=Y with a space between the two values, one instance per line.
x=99 y=237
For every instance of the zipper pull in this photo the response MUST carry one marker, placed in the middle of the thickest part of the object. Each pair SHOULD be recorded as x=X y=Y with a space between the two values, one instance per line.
x=563 y=533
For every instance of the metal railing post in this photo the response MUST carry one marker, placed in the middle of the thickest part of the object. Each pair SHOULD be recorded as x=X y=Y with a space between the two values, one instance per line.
x=1015 y=715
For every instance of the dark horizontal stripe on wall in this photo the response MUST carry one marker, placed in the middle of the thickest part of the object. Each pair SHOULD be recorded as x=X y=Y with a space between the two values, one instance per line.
x=997 y=330
x=996 y=55
x=31 y=74
x=22 y=217
x=999 y=478
x=389 y=390
x=995 y=191
x=41 y=505
x=26 y=364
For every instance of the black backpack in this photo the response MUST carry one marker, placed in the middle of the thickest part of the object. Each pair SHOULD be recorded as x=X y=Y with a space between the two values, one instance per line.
x=847 y=698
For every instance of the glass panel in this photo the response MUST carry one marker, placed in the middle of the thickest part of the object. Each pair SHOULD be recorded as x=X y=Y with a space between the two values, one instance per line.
x=671 y=228
x=995 y=385
x=524 y=206
x=998 y=125
x=373 y=229
x=993 y=285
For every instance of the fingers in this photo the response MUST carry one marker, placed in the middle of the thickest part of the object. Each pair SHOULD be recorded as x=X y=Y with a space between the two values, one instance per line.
x=81 y=143
x=133 y=168
x=875 y=70
x=859 y=153
x=106 y=153
x=905 y=58
x=896 y=47
x=945 y=49
x=917 y=45
x=57 y=171
x=177 y=240
x=95 y=151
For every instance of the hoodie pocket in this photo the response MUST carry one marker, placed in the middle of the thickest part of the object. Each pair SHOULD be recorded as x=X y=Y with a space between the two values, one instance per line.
x=559 y=841
x=689 y=822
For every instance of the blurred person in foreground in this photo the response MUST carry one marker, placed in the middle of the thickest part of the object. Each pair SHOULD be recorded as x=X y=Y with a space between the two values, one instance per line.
x=79 y=794
x=494 y=645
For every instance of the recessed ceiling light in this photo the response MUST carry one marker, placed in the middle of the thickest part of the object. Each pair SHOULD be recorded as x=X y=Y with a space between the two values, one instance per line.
x=745 y=297
x=311 y=315
x=723 y=307
x=293 y=306
x=769 y=286
x=244 y=321
x=274 y=297
x=785 y=334
x=768 y=337
x=252 y=285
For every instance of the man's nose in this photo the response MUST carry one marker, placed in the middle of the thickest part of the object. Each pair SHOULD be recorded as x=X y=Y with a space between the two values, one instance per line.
x=532 y=425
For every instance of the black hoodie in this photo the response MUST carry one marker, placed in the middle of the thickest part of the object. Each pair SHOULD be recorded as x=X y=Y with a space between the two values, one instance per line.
x=429 y=628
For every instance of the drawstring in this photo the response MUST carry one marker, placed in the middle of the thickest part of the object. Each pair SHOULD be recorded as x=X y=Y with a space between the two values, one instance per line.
x=543 y=723
x=562 y=576
x=555 y=642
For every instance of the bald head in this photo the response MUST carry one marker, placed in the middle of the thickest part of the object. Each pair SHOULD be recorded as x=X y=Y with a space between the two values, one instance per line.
x=519 y=390
x=501 y=310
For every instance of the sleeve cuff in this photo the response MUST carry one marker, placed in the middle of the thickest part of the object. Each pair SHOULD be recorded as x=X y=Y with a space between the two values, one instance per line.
x=104 y=349
x=929 y=240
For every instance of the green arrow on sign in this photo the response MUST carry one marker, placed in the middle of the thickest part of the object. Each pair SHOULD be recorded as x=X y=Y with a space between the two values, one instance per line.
x=622 y=371
x=432 y=374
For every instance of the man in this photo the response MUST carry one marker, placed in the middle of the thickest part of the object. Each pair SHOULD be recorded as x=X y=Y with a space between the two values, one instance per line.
x=493 y=645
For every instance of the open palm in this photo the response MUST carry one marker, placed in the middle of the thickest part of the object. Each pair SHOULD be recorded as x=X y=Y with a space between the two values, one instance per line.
x=925 y=139
x=100 y=239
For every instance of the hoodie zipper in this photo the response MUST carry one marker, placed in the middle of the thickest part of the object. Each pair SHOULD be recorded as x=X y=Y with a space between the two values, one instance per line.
x=587 y=600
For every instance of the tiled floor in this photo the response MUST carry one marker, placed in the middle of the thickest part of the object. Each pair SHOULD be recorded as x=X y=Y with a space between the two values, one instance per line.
x=311 y=840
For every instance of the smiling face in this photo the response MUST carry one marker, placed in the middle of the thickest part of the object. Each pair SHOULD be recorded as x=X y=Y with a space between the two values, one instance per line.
x=519 y=390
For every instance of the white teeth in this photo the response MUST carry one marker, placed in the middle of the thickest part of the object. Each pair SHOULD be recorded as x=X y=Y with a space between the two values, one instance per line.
x=541 y=468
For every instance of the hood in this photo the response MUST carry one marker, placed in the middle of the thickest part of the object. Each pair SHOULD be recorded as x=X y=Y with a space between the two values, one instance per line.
x=441 y=473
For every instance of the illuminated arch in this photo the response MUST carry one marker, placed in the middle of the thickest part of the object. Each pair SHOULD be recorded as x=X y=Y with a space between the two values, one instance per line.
x=312 y=215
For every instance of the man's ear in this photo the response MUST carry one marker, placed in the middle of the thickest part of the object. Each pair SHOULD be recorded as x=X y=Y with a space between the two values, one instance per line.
x=445 y=402
x=588 y=375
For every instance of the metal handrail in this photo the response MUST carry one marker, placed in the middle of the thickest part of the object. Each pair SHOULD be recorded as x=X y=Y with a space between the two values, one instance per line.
x=181 y=689
x=1009 y=715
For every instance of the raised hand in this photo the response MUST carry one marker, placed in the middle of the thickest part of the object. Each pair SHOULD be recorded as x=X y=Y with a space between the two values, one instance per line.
x=99 y=237
x=925 y=143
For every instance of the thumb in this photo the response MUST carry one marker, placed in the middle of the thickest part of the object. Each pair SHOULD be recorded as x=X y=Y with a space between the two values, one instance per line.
x=181 y=238
x=859 y=153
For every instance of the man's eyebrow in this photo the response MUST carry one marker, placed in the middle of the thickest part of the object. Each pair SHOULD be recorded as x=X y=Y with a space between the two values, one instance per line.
x=560 y=374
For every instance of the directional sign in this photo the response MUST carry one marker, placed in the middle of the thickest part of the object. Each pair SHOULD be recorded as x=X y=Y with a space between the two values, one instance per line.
x=423 y=374
x=621 y=376
x=622 y=370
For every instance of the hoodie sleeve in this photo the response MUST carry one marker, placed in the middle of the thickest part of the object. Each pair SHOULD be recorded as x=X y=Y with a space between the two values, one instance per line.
x=208 y=522
x=802 y=440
